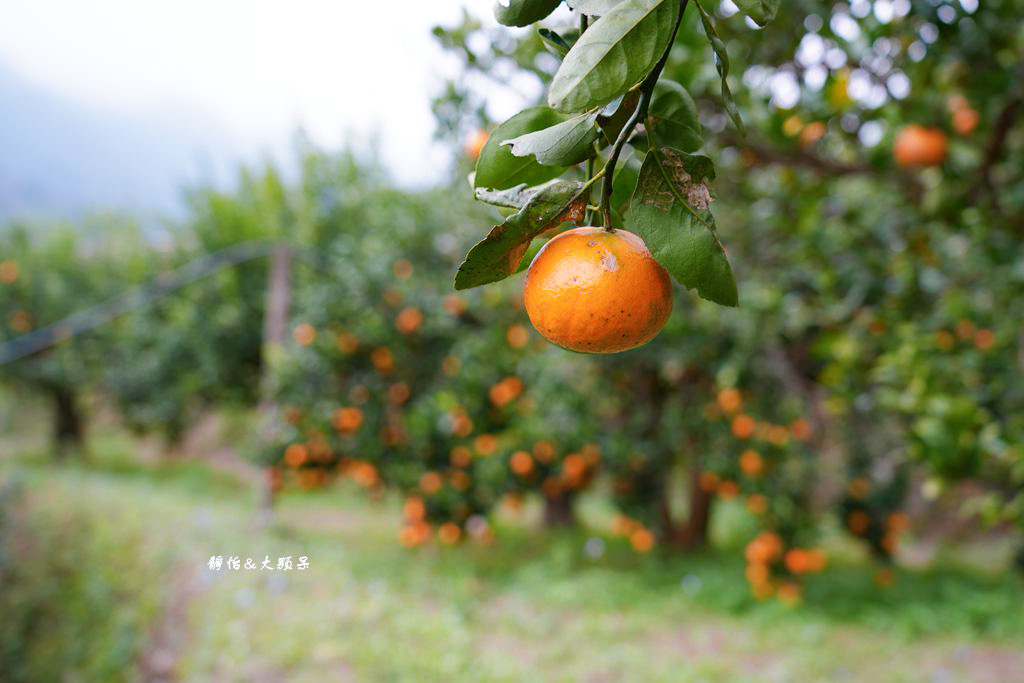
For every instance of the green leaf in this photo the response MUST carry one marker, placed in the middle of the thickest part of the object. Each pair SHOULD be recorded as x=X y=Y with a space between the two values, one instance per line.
x=523 y=12
x=593 y=8
x=614 y=54
x=673 y=118
x=614 y=117
x=497 y=168
x=500 y=253
x=761 y=11
x=669 y=210
x=563 y=144
x=722 y=64
x=512 y=198
x=554 y=42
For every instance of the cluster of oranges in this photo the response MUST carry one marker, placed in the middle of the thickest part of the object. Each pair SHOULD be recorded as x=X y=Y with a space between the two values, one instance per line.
x=641 y=539
x=767 y=557
x=967 y=332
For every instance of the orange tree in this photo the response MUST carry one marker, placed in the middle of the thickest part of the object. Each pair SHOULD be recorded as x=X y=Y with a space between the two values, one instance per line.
x=872 y=212
x=393 y=381
x=47 y=273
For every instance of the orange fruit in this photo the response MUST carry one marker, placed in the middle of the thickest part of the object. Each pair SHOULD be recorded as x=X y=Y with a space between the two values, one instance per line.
x=544 y=451
x=518 y=336
x=414 y=510
x=789 y=594
x=816 y=560
x=383 y=360
x=965 y=120
x=296 y=455
x=454 y=305
x=730 y=400
x=409 y=320
x=945 y=340
x=461 y=456
x=348 y=420
x=8 y=272
x=858 y=522
x=919 y=146
x=304 y=334
x=642 y=540
x=475 y=143
x=985 y=339
x=403 y=269
x=521 y=463
x=757 y=504
x=449 y=533
x=597 y=291
x=485 y=444
x=399 y=393
x=743 y=426
x=802 y=430
x=431 y=483
x=758 y=573
x=728 y=489
x=751 y=463
x=708 y=482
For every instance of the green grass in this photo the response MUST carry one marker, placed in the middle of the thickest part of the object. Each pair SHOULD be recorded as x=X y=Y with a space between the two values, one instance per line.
x=117 y=543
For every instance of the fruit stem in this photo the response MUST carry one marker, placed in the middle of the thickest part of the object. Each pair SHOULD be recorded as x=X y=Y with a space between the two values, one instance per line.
x=647 y=90
x=589 y=216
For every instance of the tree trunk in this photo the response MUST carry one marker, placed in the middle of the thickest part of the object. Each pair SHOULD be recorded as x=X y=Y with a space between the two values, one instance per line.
x=559 y=511
x=275 y=333
x=68 y=426
x=694 y=533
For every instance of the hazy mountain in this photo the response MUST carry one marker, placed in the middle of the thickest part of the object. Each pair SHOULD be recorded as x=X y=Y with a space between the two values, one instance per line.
x=60 y=157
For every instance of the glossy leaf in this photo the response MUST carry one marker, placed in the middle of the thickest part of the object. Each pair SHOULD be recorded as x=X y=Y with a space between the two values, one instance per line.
x=500 y=253
x=512 y=198
x=722 y=64
x=673 y=117
x=523 y=12
x=614 y=117
x=614 y=54
x=555 y=42
x=761 y=11
x=498 y=169
x=670 y=211
x=562 y=144
x=593 y=8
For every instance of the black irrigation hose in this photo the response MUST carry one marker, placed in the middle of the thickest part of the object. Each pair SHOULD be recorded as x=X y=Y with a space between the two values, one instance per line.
x=136 y=297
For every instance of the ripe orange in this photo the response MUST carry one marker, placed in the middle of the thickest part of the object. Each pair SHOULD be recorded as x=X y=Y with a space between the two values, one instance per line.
x=296 y=455
x=518 y=336
x=409 y=320
x=414 y=510
x=597 y=291
x=8 y=272
x=461 y=456
x=743 y=426
x=383 y=360
x=751 y=463
x=521 y=463
x=965 y=120
x=985 y=339
x=757 y=504
x=449 y=533
x=475 y=143
x=348 y=420
x=730 y=400
x=431 y=483
x=919 y=146
x=304 y=334
x=642 y=540
x=403 y=269
x=544 y=451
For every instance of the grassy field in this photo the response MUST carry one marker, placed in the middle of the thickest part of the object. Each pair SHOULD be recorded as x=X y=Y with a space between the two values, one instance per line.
x=106 y=578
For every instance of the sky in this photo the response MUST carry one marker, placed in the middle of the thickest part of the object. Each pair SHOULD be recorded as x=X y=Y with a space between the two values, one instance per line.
x=258 y=69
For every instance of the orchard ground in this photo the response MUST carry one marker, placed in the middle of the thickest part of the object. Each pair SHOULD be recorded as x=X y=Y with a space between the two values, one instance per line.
x=129 y=532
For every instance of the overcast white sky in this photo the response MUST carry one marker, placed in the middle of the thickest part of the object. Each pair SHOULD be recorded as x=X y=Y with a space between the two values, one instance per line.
x=259 y=67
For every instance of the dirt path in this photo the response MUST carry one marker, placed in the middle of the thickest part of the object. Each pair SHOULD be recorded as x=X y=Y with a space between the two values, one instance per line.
x=168 y=637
